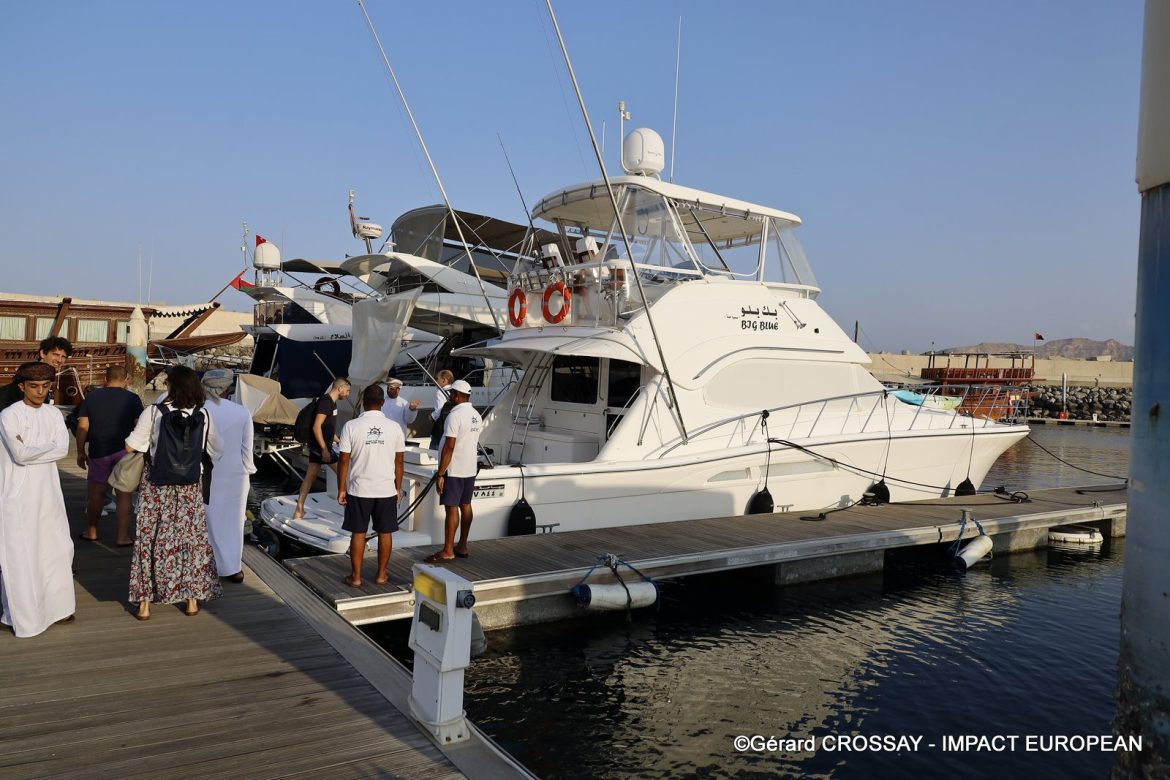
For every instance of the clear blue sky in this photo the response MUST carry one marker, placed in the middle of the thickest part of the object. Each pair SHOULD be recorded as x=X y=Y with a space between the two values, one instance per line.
x=965 y=171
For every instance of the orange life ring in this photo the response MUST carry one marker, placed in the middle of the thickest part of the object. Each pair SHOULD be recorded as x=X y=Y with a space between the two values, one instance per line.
x=517 y=308
x=566 y=301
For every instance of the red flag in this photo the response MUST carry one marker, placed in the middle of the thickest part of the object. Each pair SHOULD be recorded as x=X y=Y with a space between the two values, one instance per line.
x=260 y=240
x=239 y=283
x=1038 y=337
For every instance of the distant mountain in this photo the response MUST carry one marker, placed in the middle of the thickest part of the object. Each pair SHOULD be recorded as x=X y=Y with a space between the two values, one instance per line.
x=1073 y=349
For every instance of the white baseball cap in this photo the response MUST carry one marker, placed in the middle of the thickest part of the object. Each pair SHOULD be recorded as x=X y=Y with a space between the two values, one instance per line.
x=459 y=386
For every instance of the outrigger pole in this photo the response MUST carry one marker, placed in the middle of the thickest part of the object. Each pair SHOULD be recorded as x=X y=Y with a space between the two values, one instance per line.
x=621 y=226
x=434 y=170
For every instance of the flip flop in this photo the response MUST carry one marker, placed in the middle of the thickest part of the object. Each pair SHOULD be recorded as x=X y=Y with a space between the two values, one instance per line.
x=436 y=559
x=85 y=538
x=127 y=544
x=462 y=555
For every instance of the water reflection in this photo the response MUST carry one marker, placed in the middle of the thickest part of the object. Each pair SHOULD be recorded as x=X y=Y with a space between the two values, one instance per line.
x=1027 y=645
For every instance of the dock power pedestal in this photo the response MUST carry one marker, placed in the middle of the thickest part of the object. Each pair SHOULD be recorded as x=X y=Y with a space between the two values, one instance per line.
x=440 y=637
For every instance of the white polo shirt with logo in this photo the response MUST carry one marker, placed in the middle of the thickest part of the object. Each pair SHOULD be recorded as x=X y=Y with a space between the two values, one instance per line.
x=463 y=425
x=372 y=442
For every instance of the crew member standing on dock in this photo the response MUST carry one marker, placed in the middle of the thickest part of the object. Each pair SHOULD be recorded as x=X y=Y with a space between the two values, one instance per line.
x=36 y=553
x=321 y=443
x=227 y=501
x=369 y=481
x=458 y=464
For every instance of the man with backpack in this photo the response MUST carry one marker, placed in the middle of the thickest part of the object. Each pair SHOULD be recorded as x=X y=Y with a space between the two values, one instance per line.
x=324 y=432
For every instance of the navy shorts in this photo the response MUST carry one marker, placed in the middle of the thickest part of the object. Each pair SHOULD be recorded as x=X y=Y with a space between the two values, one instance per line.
x=361 y=512
x=315 y=456
x=457 y=491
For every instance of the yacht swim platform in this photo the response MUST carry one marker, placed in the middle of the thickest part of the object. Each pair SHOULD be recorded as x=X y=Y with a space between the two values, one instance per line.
x=264 y=682
x=526 y=579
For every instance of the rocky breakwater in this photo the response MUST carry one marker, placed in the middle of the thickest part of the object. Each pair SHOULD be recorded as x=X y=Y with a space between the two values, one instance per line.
x=1081 y=403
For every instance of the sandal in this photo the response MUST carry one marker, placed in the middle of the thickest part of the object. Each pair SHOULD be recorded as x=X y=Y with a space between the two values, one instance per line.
x=435 y=558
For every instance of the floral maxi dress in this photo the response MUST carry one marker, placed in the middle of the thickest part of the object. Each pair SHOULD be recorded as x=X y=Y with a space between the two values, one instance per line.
x=173 y=560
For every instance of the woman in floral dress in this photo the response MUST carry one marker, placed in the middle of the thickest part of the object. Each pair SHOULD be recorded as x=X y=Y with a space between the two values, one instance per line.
x=172 y=560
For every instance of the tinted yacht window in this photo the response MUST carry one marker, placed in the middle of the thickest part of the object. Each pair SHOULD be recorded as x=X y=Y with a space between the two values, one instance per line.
x=624 y=380
x=574 y=379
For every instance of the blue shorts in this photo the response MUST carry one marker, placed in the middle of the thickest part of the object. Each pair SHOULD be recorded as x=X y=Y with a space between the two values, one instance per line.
x=457 y=491
x=361 y=512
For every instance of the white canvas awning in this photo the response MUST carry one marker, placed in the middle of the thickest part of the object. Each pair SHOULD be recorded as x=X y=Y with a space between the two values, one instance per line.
x=378 y=328
x=518 y=346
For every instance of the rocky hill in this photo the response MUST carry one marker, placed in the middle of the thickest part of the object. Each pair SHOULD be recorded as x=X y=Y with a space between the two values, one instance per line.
x=1073 y=349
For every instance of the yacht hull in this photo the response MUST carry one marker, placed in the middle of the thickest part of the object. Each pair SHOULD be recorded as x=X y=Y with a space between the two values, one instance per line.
x=580 y=496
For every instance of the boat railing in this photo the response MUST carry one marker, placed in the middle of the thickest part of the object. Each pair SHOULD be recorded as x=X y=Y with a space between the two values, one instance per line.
x=858 y=414
x=596 y=293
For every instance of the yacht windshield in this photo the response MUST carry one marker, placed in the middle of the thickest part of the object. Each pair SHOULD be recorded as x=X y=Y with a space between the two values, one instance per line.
x=655 y=236
x=697 y=238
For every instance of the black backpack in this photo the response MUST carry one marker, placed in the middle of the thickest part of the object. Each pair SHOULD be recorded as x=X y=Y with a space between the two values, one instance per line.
x=179 y=454
x=303 y=427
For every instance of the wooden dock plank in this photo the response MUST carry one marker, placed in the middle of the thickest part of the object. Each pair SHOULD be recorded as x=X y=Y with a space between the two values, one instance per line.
x=244 y=689
x=546 y=564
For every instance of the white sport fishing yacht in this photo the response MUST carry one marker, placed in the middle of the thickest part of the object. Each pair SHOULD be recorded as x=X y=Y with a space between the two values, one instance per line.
x=676 y=366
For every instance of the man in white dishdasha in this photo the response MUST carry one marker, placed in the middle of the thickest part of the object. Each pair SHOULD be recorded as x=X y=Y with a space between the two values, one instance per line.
x=36 y=553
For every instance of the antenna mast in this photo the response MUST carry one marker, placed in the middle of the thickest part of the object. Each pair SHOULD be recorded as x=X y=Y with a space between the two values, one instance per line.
x=674 y=121
x=618 y=216
x=431 y=163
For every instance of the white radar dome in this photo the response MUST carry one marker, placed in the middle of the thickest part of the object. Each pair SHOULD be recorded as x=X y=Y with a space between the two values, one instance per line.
x=643 y=152
x=266 y=257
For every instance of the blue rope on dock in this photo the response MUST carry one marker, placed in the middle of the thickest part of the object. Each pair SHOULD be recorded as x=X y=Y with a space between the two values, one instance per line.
x=962 y=529
x=612 y=562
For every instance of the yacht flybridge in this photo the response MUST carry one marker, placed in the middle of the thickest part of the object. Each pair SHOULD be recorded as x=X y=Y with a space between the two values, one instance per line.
x=676 y=363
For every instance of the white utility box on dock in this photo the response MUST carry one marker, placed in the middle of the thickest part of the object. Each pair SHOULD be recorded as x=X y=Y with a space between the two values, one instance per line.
x=440 y=637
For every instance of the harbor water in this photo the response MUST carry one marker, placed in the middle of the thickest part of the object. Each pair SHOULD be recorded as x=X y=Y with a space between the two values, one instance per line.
x=877 y=676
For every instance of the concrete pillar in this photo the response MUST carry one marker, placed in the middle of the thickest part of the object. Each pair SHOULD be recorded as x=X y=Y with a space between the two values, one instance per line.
x=1143 y=690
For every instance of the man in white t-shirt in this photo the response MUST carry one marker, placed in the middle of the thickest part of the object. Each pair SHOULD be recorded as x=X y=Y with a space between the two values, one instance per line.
x=369 y=481
x=458 y=463
x=398 y=409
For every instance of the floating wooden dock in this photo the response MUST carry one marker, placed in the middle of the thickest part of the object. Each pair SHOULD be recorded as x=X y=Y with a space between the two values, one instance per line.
x=264 y=682
x=526 y=579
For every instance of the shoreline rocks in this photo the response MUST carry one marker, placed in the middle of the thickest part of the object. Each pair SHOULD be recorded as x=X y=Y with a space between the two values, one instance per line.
x=1108 y=403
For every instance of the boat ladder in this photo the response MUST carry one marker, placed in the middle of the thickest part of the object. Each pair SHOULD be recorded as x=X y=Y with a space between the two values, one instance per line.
x=522 y=417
